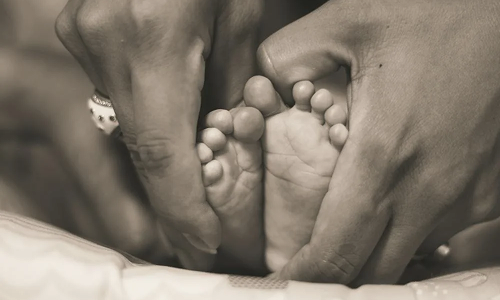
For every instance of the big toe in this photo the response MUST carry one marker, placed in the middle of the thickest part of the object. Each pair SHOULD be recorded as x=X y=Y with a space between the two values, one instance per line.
x=248 y=124
x=260 y=93
x=302 y=94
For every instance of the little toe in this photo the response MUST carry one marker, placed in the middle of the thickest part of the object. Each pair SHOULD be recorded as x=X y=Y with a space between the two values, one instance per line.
x=260 y=93
x=302 y=93
x=220 y=119
x=335 y=115
x=213 y=138
x=321 y=102
x=338 y=135
x=248 y=124
x=212 y=172
x=204 y=153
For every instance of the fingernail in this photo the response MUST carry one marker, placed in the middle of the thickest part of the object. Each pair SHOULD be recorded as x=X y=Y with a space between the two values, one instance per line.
x=199 y=244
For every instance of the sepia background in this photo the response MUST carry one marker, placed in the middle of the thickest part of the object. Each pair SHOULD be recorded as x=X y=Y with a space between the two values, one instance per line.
x=40 y=84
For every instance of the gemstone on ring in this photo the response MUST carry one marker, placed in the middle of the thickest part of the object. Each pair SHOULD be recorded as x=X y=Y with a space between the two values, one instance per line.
x=102 y=113
x=99 y=99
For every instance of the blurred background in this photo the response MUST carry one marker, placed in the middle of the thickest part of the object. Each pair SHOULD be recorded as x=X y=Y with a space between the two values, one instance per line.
x=42 y=87
x=38 y=80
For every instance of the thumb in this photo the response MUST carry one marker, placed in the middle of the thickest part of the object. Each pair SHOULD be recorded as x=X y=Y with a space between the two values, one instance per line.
x=308 y=49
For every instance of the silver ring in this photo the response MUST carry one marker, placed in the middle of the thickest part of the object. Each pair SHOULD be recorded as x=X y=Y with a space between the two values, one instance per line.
x=440 y=254
x=103 y=114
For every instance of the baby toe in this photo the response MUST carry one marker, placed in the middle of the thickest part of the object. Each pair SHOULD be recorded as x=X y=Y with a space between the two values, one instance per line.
x=248 y=124
x=260 y=93
x=320 y=103
x=335 y=115
x=211 y=172
x=302 y=93
x=338 y=135
x=204 y=153
x=213 y=138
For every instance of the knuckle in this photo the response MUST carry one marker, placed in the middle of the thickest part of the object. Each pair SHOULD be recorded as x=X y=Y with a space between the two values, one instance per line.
x=142 y=11
x=92 y=25
x=149 y=19
x=155 y=152
x=332 y=266
x=64 y=26
x=155 y=26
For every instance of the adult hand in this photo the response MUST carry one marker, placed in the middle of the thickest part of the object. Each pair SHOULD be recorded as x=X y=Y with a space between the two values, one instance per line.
x=151 y=58
x=422 y=160
x=40 y=99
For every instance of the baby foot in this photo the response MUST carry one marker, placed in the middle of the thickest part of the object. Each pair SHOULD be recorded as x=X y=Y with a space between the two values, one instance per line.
x=301 y=145
x=231 y=155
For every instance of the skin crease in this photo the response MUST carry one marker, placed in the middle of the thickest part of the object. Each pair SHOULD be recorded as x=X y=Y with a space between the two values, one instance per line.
x=422 y=160
x=153 y=62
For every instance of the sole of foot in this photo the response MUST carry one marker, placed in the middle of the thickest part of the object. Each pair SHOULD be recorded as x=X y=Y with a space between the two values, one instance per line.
x=301 y=146
x=231 y=155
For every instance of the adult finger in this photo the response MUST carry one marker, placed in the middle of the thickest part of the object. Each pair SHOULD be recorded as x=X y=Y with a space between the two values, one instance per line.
x=349 y=224
x=52 y=107
x=114 y=199
x=392 y=254
x=166 y=105
x=125 y=220
x=154 y=82
x=353 y=217
x=68 y=25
